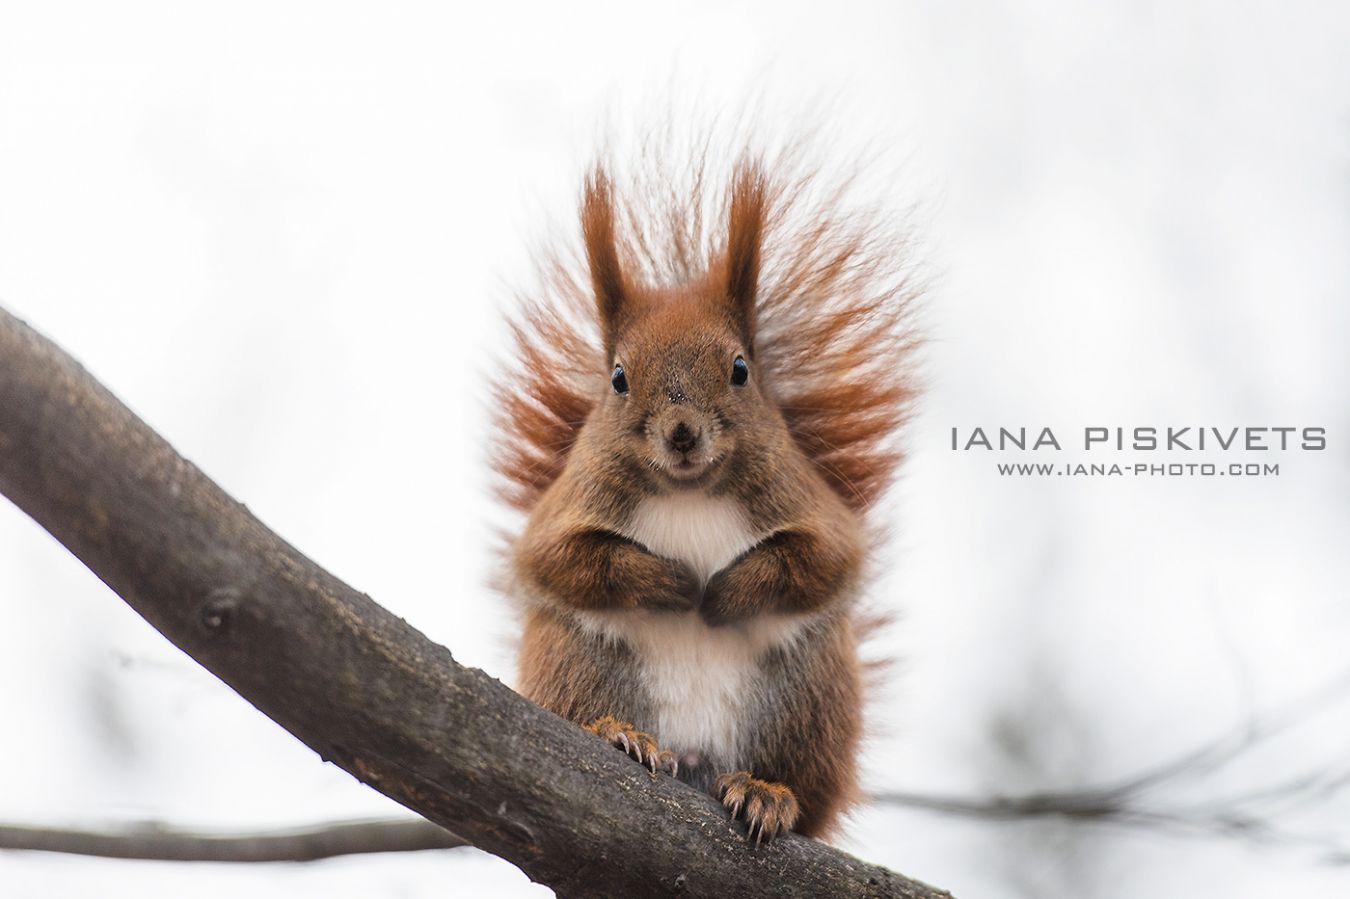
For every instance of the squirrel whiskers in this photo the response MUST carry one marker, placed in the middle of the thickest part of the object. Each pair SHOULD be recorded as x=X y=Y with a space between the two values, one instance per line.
x=704 y=412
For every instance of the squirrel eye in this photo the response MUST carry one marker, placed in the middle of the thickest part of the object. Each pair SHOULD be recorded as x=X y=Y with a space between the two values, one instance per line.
x=740 y=372
x=619 y=380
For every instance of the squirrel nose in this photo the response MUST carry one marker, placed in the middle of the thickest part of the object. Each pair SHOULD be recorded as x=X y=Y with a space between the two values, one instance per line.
x=682 y=439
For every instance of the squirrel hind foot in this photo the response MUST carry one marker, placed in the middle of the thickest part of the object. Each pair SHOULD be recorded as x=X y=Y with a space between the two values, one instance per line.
x=639 y=745
x=767 y=809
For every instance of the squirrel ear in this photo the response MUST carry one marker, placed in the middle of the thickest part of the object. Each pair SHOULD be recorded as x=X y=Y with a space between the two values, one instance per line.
x=745 y=233
x=597 y=229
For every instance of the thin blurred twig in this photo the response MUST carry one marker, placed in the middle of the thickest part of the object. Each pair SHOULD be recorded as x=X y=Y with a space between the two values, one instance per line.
x=299 y=845
x=1125 y=803
x=1146 y=799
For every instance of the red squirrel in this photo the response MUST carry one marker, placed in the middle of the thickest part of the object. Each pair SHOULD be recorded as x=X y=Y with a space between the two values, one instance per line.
x=705 y=411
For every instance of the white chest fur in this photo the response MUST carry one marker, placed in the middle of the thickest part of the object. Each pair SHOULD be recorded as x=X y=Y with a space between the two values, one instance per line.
x=704 y=532
x=698 y=677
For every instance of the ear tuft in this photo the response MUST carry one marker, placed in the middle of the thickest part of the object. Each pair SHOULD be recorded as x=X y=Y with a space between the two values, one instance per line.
x=597 y=229
x=745 y=234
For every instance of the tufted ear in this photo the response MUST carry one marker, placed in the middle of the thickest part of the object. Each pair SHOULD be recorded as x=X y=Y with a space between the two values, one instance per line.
x=597 y=229
x=745 y=234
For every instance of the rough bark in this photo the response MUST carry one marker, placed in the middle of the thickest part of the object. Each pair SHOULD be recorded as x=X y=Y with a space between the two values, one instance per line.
x=359 y=685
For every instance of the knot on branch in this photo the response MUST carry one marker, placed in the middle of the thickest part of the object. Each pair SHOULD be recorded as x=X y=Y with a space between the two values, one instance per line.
x=218 y=610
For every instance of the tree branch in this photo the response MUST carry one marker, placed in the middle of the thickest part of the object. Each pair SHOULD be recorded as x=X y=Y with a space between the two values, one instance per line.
x=359 y=685
x=299 y=845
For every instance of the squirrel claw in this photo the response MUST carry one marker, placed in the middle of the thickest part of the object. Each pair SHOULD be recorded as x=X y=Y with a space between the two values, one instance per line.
x=641 y=747
x=768 y=809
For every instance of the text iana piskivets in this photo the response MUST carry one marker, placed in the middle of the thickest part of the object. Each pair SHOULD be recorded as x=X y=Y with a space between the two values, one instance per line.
x=1145 y=439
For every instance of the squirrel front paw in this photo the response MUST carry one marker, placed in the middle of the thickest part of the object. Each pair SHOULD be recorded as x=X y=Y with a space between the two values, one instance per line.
x=768 y=809
x=729 y=596
x=677 y=589
x=641 y=746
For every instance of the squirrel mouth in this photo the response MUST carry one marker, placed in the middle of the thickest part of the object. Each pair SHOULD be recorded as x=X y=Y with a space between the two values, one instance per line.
x=685 y=469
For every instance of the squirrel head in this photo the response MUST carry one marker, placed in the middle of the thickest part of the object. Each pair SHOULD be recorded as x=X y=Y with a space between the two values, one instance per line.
x=683 y=390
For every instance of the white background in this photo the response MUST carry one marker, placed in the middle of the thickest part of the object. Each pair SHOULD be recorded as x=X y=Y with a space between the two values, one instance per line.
x=285 y=233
